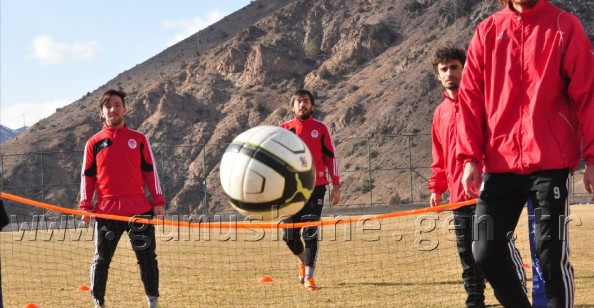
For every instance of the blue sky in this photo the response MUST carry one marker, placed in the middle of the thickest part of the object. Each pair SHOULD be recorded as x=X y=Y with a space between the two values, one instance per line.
x=52 y=52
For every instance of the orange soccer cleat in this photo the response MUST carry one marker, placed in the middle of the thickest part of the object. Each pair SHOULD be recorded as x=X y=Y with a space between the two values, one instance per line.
x=310 y=284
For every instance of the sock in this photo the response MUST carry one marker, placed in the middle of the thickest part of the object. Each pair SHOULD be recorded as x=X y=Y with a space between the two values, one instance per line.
x=151 y=301
x=98 y=304
x=309 y=272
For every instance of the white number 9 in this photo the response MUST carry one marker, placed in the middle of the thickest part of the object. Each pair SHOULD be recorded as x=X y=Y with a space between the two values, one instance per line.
x=557 y=192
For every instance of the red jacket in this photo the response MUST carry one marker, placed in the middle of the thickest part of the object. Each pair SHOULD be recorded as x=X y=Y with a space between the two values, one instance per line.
x=316 y=136
x=447 y=171
x=117 y=163
x=527 y=91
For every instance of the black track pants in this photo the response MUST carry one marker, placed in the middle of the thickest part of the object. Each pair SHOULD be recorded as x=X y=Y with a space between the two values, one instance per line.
x=142 y=238
x=499 y=207
x=312 y=211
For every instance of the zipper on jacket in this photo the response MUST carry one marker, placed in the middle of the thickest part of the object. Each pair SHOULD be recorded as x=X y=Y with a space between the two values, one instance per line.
x=522 y=73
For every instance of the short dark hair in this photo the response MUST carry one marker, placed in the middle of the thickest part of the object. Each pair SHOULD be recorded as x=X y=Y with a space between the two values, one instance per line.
x=503 y=2
x=447 y=53
x=108 y=94
x=300 y=93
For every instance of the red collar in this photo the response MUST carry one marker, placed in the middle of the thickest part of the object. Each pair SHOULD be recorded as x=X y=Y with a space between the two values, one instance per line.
x=114 y=129
x=309 y=119
x=447 y=97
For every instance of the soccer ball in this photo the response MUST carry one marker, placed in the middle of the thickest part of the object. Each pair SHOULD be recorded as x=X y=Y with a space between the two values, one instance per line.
x=267 y=171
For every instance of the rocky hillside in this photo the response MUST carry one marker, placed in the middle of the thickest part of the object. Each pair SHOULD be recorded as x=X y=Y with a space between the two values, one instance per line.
x=367 y=61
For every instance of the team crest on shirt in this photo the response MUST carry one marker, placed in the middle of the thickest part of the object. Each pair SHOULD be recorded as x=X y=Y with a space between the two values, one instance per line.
x=132 y=144
x=314 y=133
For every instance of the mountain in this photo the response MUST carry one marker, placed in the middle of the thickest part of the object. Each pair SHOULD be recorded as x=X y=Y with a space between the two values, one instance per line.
x=20 y=130
x=367 y=61
x=7 y=133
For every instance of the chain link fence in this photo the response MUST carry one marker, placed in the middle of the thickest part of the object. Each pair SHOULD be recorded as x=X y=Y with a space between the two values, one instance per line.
x=375 y=171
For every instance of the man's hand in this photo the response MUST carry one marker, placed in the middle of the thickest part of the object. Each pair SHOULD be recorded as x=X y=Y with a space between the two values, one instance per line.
x=589 y=179
x=159 y=211
x=435 y=199
x=470 y=179
x=86 y=220
x=335 y=195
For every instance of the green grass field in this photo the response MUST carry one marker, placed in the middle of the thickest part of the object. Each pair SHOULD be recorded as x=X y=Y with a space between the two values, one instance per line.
x=406 y=262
